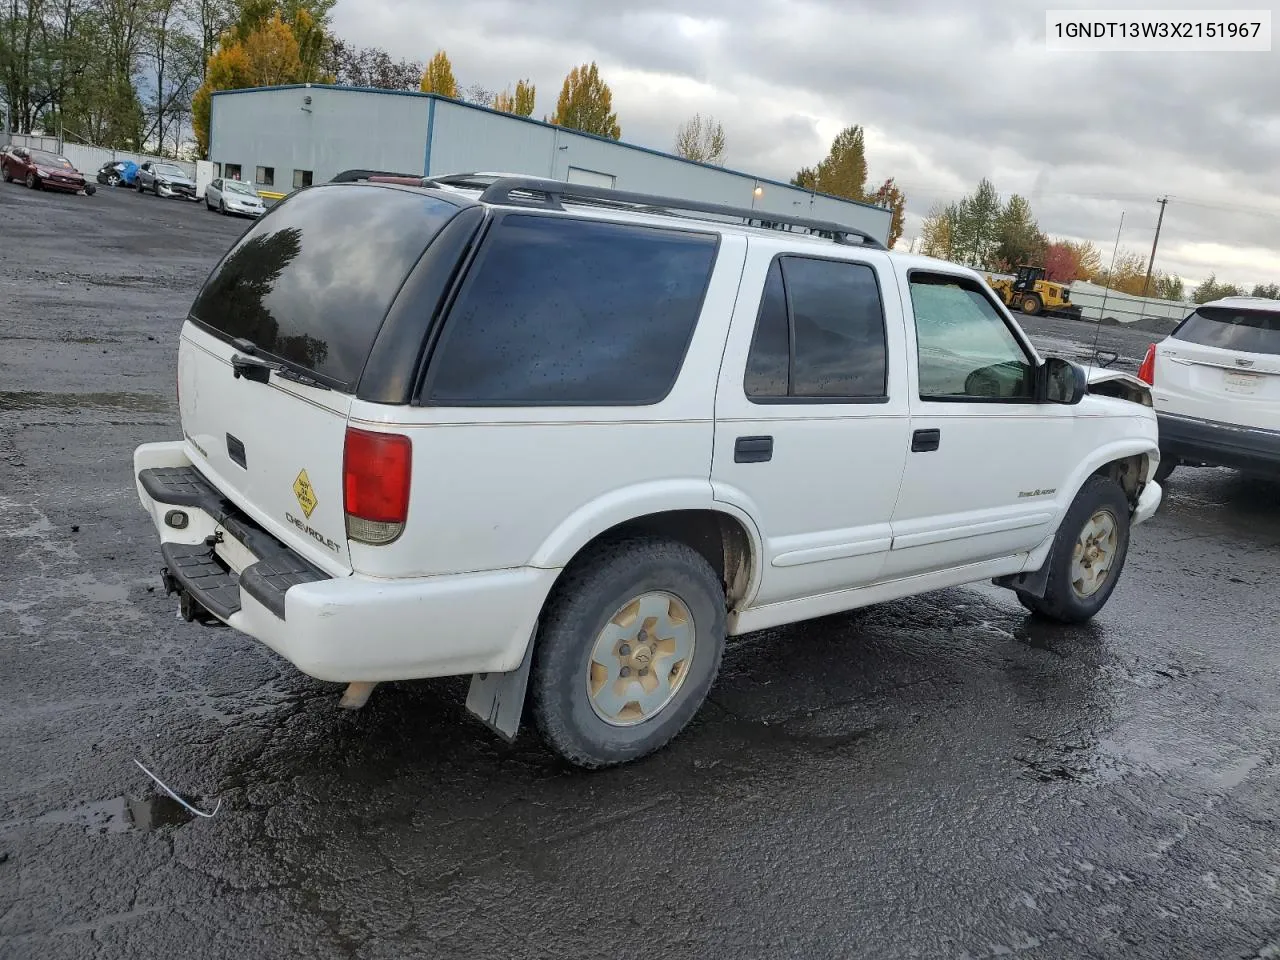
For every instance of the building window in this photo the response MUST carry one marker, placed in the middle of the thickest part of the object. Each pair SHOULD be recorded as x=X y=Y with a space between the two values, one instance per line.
x=232 y=171
x=217 y=170
x=301 y=178
x=266 y=176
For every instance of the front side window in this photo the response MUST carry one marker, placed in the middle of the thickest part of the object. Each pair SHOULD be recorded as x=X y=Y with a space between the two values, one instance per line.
x=965 y=349
x=566 y=311
x=820 y=333
x=1230 y=328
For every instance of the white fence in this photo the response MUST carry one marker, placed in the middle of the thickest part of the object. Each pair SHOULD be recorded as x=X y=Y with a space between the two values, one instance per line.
x=88 y=159
x=1098 y=303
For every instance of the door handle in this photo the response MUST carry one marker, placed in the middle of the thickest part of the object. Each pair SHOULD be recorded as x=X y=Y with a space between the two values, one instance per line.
x=753 y=450
x=924 y=441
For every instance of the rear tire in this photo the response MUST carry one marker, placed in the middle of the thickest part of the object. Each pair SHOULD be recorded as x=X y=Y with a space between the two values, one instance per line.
x=1168 y=464
x=1088 y=555
x=628 y=646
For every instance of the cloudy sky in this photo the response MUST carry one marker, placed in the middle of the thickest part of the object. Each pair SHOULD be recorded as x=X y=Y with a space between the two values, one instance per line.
x=947 y=90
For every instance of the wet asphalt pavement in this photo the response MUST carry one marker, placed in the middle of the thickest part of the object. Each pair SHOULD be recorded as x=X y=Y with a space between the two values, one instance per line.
x=938 y=777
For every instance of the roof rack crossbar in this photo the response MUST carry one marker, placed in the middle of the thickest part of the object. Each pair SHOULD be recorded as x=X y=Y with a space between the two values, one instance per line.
x=552 y=194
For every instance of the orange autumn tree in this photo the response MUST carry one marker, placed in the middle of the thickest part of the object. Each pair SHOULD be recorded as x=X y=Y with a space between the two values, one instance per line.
x=268 y=55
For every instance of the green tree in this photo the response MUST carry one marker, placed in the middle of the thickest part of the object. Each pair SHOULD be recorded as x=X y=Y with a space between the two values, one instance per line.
x=1269 y=291
x=520 y=103
x=806 y=177
x=1020 y=240
x=976 y=234
x=938 y=232
x=1211 y=289
x=889 y=196
x=843 y=172
x=1169 y=287
x=701 y=139
x=586 y=104
x=438 y=77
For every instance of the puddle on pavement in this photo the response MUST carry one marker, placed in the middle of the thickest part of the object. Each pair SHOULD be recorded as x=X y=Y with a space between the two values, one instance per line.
x=122 y=815
x=36 y=400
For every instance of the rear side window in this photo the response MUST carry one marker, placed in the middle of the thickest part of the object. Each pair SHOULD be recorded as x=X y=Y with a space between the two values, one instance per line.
x=566 y=311
x=1229 y=328
x=820 y=334
x=311 y=282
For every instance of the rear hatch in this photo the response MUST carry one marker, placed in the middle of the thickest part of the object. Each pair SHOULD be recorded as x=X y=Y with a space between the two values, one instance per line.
x=275 y=345
x=1223 y=364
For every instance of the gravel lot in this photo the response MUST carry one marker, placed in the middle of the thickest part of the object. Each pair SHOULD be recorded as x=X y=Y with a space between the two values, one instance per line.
x=934 y=778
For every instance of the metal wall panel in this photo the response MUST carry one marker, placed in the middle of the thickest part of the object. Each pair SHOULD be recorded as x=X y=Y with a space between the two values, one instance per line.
x=339 y=130
x=404 y=132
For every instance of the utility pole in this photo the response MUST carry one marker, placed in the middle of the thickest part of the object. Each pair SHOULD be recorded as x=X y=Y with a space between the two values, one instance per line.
x=1151 y=263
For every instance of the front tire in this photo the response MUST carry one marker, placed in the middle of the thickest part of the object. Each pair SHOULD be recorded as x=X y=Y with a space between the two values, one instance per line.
x=32 y=182
x=627 y=649
x=1167 y=465
x=1088 y=555
x=1031 y=305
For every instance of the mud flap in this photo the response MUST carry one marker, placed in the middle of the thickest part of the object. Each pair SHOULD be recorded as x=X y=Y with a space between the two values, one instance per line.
x=497 y=699
x=1033 y=582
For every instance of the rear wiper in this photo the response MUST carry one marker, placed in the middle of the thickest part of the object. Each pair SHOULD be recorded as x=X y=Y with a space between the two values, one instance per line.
x=259 y=371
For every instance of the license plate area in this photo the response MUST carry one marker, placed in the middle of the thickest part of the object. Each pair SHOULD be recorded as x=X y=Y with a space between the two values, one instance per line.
x=1235 y=381
x=231 y=551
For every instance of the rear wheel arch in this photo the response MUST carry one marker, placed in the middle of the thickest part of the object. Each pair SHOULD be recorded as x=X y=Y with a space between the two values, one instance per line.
x=727 y=542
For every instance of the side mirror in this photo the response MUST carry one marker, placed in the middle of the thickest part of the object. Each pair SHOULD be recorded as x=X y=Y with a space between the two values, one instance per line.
x=1062 y=381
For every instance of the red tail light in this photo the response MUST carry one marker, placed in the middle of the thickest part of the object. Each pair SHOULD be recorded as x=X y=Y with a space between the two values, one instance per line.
x=1147 y=372
x=376 y=472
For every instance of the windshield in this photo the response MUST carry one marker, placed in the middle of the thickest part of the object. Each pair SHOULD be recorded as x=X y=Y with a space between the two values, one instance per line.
x=313 y=279
x=50 y=159
x=169 y=170
x=1231 y=328
x=239 y=186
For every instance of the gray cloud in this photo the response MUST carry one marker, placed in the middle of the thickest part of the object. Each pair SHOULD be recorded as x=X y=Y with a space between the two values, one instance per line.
x=948 y=92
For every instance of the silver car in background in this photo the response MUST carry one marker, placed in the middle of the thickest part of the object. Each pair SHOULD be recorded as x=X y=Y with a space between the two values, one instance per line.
x=233 y=196
x=164 y=180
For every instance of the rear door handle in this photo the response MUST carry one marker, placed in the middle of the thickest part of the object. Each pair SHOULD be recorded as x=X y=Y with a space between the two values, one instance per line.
x=753 y=450
x=925 y=441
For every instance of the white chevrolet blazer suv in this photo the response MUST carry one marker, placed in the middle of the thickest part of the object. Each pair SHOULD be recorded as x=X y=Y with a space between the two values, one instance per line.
x=566 y=440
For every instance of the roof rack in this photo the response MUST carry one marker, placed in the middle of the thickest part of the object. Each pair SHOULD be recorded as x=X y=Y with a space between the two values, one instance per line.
x=516 y=190
x=352 y=176
x=552 y=194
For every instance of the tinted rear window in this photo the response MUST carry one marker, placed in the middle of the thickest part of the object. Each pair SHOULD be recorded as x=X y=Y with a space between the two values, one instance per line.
x=565 y=311
x=1229 y=328
x=311 y=282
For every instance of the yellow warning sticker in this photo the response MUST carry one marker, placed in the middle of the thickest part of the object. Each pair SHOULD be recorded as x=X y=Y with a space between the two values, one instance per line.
x=306 y=495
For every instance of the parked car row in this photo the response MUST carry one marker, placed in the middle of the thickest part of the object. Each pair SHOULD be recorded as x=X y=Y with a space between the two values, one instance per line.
x=42 y=170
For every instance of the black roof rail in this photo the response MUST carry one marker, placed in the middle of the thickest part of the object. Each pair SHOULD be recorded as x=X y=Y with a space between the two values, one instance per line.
x=352 y=176
x=552 y=194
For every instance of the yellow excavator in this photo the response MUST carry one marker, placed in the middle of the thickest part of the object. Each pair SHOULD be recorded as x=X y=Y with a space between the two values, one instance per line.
x=1031 y=293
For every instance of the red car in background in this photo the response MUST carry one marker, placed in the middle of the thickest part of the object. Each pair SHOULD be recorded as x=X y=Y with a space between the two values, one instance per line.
x=39 y=169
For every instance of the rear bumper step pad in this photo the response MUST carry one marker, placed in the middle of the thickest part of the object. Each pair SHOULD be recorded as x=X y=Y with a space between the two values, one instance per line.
x=201 y=573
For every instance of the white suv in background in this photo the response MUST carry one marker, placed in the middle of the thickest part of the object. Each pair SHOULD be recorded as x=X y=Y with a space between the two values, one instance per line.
x=566 y=440
x=1215 y=381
